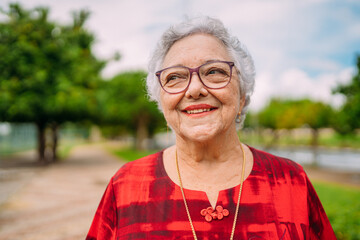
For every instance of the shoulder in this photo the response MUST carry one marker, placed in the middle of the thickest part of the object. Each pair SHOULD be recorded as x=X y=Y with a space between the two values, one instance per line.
x=136 y=181
x=272 y=161
x=139 y=168
x=278 y=167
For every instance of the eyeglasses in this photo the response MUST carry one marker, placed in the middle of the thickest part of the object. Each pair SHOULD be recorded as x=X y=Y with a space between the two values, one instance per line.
x=213 y=75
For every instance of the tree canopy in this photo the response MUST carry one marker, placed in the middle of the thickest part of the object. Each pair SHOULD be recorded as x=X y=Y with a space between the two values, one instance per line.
x=131 y=108
x=48 y=73
x=348 y=118
x=290 y=114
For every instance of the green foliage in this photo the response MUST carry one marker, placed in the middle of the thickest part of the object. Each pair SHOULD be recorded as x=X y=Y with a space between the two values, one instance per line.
x=113 y=130
x=342 y=207
x=130 y=154
x=348 y=118
x=250 y=120
x=316 y=114
x=48 y=71
x=289 y=114
x=124 y=101
x=271 y=114
x=341 y=141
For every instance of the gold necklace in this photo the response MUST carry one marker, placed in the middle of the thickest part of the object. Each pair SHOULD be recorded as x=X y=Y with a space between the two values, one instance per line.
x=238 y=201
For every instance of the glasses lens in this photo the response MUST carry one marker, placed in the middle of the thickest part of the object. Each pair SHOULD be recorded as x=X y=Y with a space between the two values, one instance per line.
x=212 y=75
x=174 y=79
x=215 y=74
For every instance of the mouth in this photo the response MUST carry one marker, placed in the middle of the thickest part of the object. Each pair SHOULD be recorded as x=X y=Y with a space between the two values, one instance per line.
x=198 y=109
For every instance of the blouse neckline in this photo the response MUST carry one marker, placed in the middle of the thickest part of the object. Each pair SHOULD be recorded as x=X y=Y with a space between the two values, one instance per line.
x=222 y=192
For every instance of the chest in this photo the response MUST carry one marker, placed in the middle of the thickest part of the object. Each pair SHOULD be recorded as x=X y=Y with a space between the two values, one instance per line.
x=157 y=211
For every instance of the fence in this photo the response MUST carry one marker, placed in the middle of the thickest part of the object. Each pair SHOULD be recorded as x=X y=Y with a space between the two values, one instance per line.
x=17 y=137
x=23 y=137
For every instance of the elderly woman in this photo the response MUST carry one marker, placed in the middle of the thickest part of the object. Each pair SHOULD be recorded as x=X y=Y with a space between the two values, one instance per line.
x=208 y=185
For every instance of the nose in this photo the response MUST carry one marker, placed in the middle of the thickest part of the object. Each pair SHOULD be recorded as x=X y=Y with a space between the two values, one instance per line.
x=196 y=88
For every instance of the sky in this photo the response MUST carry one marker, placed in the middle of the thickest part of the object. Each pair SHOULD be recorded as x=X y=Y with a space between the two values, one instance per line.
x=300 y=48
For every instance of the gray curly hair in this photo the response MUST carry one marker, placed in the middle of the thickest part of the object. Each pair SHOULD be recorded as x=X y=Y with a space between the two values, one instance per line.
x=238 y=51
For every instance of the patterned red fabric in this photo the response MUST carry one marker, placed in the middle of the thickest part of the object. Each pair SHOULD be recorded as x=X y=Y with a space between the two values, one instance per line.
x=277 y=202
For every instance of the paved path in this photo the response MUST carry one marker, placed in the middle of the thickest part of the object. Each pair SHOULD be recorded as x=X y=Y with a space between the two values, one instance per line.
x=55 y=202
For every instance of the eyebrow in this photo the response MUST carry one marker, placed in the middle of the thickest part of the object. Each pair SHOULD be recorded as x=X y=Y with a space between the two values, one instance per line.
x=207 y=61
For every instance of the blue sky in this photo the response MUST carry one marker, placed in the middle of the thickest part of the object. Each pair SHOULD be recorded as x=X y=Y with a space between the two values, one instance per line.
x=300 y=48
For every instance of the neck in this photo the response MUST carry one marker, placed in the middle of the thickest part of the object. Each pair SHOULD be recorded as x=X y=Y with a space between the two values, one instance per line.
x=220 y=149
x=200 y=163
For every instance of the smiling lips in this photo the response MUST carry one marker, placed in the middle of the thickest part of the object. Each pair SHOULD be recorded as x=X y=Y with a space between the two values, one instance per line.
x=199 y=108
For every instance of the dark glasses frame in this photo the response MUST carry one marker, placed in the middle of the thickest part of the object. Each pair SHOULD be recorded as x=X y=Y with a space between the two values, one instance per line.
x=191 y=71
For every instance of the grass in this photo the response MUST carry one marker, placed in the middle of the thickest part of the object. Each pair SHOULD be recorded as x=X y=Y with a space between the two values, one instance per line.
x=342 y=206
x=64 y=151
x=130 y=154
x=8 y=150
x=350 y=141
x=286 y=138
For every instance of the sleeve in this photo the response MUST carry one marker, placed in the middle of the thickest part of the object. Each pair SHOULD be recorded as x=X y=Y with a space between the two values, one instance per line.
x=319 y=224
x=103 y=226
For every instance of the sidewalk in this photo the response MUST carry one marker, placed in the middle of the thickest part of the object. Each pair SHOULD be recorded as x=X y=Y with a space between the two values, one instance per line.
x=55 y=202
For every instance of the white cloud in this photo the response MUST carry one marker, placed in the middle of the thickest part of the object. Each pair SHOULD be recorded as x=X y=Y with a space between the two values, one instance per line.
x=296 y=84
x=323 y=65
x=294 y=44
x=264 y=90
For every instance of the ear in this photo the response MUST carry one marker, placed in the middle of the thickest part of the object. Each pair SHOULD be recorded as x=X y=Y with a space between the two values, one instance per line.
x=242 y=102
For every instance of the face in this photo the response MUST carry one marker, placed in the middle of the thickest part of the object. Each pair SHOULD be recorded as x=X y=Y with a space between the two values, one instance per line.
x=200 y=113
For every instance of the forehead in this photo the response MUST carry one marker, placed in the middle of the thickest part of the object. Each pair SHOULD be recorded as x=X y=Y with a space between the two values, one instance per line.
x=195 y=50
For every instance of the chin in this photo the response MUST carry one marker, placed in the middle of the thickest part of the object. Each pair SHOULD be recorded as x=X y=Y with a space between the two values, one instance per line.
x=201 y=134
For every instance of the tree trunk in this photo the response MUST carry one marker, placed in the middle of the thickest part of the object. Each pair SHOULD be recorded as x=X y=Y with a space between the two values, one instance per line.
x=141 y=134
x=275 y=138
x=315 y=137
x=314 y=145
x=41 y=142
x=55 y=138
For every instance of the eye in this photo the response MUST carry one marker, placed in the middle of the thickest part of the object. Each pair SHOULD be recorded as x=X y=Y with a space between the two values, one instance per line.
x=172 y=77
x=175 y=77
x=216 y=71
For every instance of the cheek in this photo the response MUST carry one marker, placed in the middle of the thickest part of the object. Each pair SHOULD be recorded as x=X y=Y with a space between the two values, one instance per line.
x=237 y=98
x=231 y=101
x=169 y=103
x=232 y=96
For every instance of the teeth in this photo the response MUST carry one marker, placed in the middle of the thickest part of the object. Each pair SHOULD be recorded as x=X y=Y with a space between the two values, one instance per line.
x=198 y=111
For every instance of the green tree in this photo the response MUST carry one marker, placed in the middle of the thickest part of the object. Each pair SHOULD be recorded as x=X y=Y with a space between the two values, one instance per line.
x=250 y=120
x=316 y=115
x=290 y=114
x=271 y=116
x=125 y=103
x=48 y=71
x=305 y=112
x=348 y=117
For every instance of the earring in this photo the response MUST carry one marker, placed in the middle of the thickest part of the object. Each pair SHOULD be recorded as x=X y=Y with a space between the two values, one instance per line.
x=238 y=118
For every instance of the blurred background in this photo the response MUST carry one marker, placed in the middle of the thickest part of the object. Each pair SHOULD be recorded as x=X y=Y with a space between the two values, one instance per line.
x=73 y=102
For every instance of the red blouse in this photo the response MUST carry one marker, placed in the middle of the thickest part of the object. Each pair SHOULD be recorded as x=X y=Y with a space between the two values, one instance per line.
x=277 y=202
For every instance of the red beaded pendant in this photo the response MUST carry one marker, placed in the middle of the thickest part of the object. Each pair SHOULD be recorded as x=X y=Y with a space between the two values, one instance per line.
x=211 y=214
